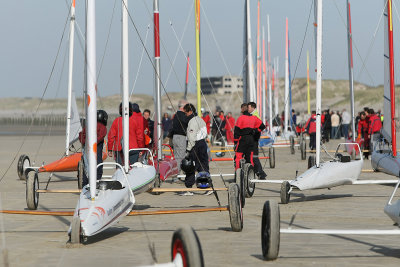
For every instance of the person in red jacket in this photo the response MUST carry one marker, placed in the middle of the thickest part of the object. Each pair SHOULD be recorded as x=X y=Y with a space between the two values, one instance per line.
x=206 y=118
x=142 y=124
x=246 y=132
x=102 y=118
x=229 y=127
x=374 y=127
x=311 y=129
x=115 y=138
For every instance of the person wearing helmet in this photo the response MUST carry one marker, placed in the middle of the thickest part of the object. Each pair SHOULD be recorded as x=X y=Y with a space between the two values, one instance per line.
x=196 y=149
x=102 y=118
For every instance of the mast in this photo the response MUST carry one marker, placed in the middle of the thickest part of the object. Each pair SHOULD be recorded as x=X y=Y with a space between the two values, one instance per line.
x=187 y=76
x=125 y=84
x=264 y=83
x=276 y=93
x=70 y=70
x=250 y=79
x=389 y=129
x=269 y=77
x=286 y=103
x=308 y=84
x=197 y=25
x=259 y=82
x=350 y=61
x=319 y=81
x=157 y=120
x=91 y=88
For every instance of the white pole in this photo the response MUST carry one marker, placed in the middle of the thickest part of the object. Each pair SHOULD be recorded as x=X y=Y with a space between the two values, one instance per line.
x=286 y=100
x=157 y=121
x=276 y=93
x=319 y=80
x=350 y=63
x=250 y=68
x=269 y=77
x=264 y=79
x=125 y=84
x=70 y=70
x=91 y=121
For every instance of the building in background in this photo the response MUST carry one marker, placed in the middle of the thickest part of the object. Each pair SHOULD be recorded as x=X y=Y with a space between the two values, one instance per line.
x=222 y=85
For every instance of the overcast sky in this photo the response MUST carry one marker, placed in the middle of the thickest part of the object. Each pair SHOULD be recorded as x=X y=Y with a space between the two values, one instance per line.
x=33 y=30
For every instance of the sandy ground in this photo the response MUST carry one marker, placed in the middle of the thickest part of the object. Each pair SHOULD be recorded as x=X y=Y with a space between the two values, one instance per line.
x=41 y=240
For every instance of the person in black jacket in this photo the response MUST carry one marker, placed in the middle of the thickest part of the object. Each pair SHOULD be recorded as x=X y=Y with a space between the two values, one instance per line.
x=178 y=132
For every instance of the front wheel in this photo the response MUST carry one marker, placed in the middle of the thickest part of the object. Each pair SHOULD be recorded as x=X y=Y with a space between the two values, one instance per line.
x=270 y=230
x=235 y=208
x=186 y=248
x=32 y=196
x=271 y=154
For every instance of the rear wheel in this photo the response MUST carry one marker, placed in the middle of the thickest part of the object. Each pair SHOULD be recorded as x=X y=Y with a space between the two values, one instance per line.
x=32 y=185
x=80 y=174
x=303 y=149
x=271 y=152
x=250 y=186
x=285 y=196
x=23 y=163
x=311 y=161
x=270 y=230
x=75 y=235
x=235 y=208
x=186 y=248
x=291 y=139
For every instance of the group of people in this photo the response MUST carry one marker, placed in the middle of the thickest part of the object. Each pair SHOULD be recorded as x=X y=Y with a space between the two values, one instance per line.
x=335 y=125
x=140 y=133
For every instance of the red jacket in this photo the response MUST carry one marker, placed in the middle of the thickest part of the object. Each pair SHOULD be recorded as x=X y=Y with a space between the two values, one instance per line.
x=246 y=124
x=142 y=125
x=311 y=124
x=362 y=127
x=101 y=133
x=207 y=120
x=230 y=123
x=116 y=132
x=374 y=124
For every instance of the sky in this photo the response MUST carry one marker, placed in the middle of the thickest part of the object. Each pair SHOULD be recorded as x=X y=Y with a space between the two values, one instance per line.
x=35 y=37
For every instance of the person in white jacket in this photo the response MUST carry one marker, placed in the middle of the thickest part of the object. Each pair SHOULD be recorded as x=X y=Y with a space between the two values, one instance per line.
x=196 y=149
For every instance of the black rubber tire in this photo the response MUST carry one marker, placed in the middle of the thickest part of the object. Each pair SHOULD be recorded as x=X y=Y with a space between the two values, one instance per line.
x=250 y=187
x=271 y=154
x=311 y=161
x=238 y=173
x=235 y=208
x=270 y=230
x=243 y=184
x=223 y=145
x=186 y=243
x=157 y=184
x=21 y=165
x=80 y=174
x=303 y=151
x=75 y=235
x=285 y=196
x=32 y=184
x=291 y=139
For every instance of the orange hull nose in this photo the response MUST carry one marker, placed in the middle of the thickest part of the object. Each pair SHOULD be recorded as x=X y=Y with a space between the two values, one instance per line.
x=66 y=164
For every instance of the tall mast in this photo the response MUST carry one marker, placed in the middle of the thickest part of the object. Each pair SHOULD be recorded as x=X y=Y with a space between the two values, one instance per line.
x=125 y=84
x=350 y=61
x=91 y=88
x=187 y=76
x=70 y=70
x=276 y=91
x=264 y=83
x=250 y=79
x=308 y=84
x=391 y=72
x=286 y=102
x=269 y=77
x=157 y=120
x=197 y=25
x=319 y=81
x=258 y=99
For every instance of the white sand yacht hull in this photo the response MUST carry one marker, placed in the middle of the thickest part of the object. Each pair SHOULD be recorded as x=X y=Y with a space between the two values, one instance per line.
x=329 y=174
x=386 y=163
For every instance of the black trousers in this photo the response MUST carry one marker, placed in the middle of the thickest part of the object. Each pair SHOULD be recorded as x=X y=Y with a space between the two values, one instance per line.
x=85 y=179
x=200 y=157
x=313 y=143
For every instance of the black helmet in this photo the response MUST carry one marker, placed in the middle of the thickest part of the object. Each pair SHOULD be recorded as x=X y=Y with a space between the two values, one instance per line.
x=130 y=109
x=102 y=117
x=203 y=180
x=187 y=165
